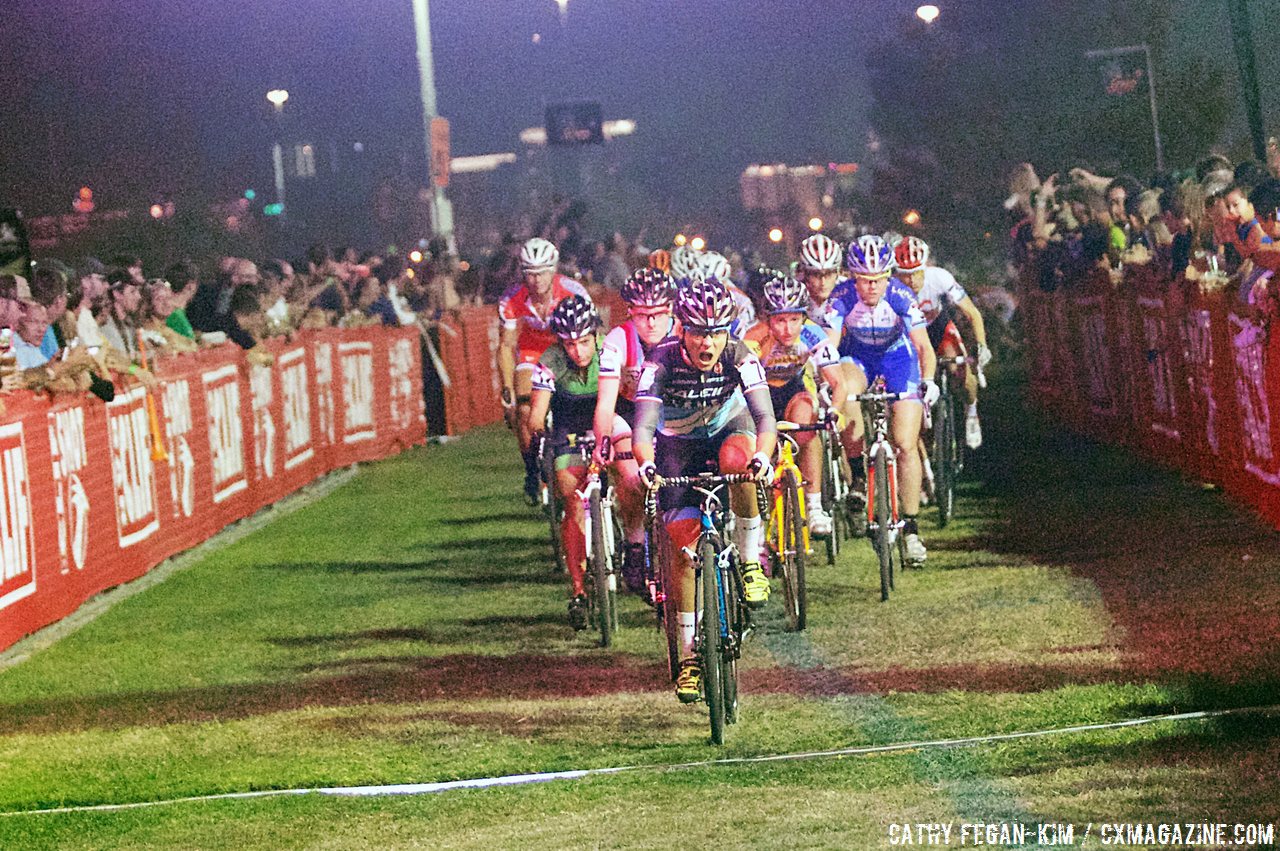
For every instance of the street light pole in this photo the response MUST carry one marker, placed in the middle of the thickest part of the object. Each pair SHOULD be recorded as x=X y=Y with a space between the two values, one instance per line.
x=1242 y=36
x=278 y=98
x=441 y=209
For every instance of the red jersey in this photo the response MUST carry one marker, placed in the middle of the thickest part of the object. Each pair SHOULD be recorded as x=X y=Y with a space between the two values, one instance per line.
x=517 y=311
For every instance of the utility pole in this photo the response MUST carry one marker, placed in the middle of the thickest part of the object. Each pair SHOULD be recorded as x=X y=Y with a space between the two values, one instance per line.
x=1242 y=36
x=441 y=209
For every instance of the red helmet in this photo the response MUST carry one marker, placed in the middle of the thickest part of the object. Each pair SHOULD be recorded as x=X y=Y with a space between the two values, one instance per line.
x=912 y=254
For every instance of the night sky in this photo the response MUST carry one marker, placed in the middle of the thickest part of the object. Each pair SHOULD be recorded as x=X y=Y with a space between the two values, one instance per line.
x=146 y=98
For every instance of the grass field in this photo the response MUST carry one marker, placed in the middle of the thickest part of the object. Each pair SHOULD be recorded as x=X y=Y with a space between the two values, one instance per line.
x=408 y=628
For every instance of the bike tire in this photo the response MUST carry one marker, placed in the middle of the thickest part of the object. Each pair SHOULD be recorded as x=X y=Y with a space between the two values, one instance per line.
x=884 y=521
x=599 y=567
x=735 y=619
x=944 y=460
x=711 y=644
x=792 y=556
x=830 y=499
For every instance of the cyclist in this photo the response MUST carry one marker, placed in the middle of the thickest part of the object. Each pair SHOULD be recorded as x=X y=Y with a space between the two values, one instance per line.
x=705 y=397
x=524 y=310
x=713 y=264
x=787 y=342
x=684 y=263
x=884 y=335
x=938 y=294
x=649 y=295
x=565 y=382
x=820 y=262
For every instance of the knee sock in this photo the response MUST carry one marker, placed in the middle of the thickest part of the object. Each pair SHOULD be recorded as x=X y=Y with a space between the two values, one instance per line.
x=813 y=500
x=748 y=536
x=685 y=622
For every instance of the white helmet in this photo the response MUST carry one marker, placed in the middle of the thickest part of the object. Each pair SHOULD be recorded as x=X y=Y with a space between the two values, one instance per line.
x=684 y=262
x=712 y=264
x=538 y=255
x=820 y=253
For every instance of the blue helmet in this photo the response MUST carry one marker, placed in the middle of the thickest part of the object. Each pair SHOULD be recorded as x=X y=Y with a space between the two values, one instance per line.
x=871 y=257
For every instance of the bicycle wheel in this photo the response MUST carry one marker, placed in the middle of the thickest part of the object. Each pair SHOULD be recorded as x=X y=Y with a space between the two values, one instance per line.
x=710 y=646
x=553 y=511
x=598 y=564
x=831 y=497
x=735 y=621
x=944 y=460
x=884 y=519
x=792 y=554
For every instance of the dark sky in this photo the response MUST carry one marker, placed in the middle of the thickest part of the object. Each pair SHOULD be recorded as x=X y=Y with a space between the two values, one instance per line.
x=142 y=98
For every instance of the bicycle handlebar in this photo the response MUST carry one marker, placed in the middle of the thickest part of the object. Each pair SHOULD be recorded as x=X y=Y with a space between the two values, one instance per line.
x=880 y=396
x=706 y=479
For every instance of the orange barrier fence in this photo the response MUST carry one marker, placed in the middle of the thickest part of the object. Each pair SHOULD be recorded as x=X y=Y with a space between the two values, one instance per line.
x=90 y=502
x=1188 y=379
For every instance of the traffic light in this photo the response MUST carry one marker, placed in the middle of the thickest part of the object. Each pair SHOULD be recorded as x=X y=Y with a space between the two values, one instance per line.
x=273 y=210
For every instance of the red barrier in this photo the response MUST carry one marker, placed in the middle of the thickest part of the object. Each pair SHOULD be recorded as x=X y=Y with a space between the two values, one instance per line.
x=86 y=506
x=1183 y=377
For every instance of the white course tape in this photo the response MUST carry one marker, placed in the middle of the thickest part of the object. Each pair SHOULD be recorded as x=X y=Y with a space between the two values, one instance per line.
x=576 y=774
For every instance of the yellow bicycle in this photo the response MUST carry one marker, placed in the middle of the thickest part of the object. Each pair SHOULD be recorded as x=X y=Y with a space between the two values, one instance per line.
x=789 y=524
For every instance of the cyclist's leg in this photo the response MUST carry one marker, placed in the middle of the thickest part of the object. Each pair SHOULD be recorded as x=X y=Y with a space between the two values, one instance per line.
x=630 y=505
x=568 y=481
x=902 y=375
x=856 y=379
x=803 y=409
x=525 y=429
x=748 y=525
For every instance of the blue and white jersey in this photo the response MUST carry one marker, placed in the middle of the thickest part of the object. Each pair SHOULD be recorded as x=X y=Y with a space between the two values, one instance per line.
x=829 y=316
x=879 y=329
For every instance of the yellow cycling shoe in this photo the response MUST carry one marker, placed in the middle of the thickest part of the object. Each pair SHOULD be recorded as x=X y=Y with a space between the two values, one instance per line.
x=755 y=585
x=689 y=681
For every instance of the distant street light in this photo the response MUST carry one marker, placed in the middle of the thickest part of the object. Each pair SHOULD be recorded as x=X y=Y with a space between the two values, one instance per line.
x=564 y=9
x=911 y=218
x=775 y=235
x=928 y=13
x=277 y=97
x=681 y=239
x=157 y=211
x=697 y=243
x=815 y=224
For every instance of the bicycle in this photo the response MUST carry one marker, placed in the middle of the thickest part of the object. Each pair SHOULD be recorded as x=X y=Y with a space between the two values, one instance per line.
x=789 y=524
x=723 y=619
x=883 y=523
x=945 y=459
x=602 y=533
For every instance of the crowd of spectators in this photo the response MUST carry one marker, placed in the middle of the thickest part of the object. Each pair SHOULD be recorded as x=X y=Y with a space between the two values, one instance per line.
x=89 y=326
x=1214 y=227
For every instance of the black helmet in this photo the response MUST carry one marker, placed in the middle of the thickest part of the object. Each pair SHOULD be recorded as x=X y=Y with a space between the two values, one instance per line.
x=648 y=288
x=705 y=305
x=575 y=316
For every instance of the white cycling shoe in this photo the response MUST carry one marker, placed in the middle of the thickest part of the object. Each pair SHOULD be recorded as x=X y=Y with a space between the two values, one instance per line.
x=972 y=431
x=916 y=553
x=819 y=522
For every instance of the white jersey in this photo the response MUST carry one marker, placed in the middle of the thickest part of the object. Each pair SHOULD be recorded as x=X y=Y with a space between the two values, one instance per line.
x=940 y=291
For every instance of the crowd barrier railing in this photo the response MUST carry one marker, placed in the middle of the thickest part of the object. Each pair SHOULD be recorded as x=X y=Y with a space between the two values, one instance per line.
x=1187 y=378
x=96 y=494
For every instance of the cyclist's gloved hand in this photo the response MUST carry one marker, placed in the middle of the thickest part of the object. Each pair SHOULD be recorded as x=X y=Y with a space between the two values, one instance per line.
x=649 y=474
x=929 y=392
x=984 y=356
x=602 y=452
x=761 y=468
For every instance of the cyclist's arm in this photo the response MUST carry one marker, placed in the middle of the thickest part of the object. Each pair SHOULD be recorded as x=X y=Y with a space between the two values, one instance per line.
x=539 y=404
x=971 y=312
x=507 y=359
x=928 y=358
x=761 y=407
x=606 y=402
x=648 y=411
x=834 y=377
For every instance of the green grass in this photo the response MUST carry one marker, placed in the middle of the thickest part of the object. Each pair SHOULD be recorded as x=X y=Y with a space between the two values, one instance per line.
x=409 y=628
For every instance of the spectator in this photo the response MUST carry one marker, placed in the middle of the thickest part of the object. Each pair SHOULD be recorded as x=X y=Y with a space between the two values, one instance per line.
x=49 y=289
x=159 y=305
x=10 y=304
x=1117 y=193
x=210 y=308
x=85 y=297
x=1249 y=235
x=277 y=283
x=132 y=264
x=184 y=281
x=32 y=325
x=119 y=321
x=610 y=264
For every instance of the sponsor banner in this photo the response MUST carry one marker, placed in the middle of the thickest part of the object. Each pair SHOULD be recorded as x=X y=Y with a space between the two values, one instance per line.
x=1248 y=347
x=1156 y=406
x=1095 y=357
x=87 y=501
